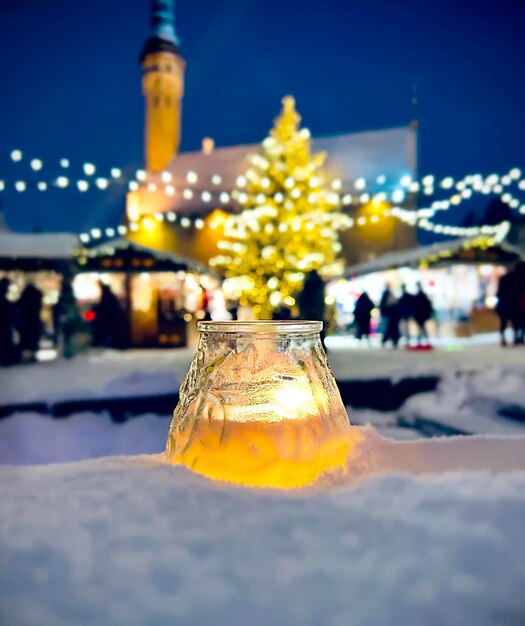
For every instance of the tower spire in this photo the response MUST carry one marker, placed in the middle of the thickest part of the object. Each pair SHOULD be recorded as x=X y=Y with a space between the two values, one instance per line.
x=163 y=20
x=162 y=86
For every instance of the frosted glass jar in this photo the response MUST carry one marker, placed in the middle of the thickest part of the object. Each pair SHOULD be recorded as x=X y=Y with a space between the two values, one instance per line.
x=260 y=406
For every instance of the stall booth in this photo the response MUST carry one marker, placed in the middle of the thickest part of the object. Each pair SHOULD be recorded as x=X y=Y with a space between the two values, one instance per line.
x=41 y=259
x=460 y=277
x=161 y=294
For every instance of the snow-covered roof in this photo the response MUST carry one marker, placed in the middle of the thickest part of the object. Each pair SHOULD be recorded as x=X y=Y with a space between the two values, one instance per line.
x=442 y=251
x=37 y=246
x=390 y=153
x=123 y=244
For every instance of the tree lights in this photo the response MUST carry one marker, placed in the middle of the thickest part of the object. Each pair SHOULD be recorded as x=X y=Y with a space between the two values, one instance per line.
x=289 y=224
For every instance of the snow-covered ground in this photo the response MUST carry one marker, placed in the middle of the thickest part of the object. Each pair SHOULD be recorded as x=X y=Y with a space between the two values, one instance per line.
x=102 y=374
x=414 y=531
x=141 y=372
x=427 y=532
x=480 y=383
x=34 y=439
x=31 y=438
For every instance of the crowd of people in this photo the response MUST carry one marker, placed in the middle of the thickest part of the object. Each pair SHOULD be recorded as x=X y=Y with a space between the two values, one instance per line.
x=22 y=328
x=396 y=315
x=403 y=316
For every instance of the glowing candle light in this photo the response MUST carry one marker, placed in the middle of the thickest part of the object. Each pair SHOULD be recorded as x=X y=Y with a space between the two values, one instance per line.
x=260 y=407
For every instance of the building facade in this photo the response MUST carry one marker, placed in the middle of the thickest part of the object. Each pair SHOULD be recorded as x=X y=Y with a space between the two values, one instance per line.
x=182 y=202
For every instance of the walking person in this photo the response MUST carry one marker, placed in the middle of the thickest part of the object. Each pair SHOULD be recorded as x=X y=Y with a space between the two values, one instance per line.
x=405 y=307
x=506 y=306
x=363 y=315
x=311 y=300
x=519 y=303
x=423 y=311
x=390 y=317
x=29 y=320
x=7 y=326
x=108 y=319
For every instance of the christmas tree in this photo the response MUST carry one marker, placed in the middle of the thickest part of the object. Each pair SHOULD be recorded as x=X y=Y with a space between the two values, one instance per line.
x=289 y=224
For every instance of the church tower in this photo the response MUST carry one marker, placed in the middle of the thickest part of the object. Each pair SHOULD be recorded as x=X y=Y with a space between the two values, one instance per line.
x=162 y=86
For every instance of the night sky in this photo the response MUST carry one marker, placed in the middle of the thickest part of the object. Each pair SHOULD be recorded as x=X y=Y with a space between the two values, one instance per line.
x=71 y=84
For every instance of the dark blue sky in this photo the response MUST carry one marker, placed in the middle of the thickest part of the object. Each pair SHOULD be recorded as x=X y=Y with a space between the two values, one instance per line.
x=71 y=83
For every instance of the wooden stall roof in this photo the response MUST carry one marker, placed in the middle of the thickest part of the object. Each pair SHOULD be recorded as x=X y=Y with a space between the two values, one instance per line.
x=456 y=251
x=125 y=255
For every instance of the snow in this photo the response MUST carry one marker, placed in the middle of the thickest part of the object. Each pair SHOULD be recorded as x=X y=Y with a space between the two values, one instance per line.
x=103 y=374
x=401 y=537
x=37 y=246
x=32 y=439
x=109 y=373
x=474 y=402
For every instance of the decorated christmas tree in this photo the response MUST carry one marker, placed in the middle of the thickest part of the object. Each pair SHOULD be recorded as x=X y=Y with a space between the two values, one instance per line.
x=289 y=224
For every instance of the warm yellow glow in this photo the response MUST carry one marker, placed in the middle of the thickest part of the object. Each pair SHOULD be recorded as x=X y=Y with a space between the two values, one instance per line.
x=133 y=207
x=287 y=454
x=290 y=219
x=149 y=223
x=277 y=424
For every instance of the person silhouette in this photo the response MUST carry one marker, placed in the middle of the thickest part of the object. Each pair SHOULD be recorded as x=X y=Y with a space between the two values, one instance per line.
x=7 y=325
x=29 y=310
x=362 y=315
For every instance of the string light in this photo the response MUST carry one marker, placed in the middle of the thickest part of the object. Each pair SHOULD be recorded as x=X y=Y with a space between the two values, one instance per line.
x=36 y=164
x=16 y=155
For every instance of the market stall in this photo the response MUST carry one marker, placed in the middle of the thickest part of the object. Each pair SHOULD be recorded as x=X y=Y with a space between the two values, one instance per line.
x=161 y=294
x=460 y=277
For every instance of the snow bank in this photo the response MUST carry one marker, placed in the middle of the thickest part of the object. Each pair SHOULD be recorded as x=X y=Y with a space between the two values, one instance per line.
x=104 y=374
x=110 y=373
x=31 y=438
x=474 y=402
x=134 y=541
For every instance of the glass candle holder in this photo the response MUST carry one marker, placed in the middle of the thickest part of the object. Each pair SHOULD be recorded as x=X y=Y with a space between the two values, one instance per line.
x=259 y=406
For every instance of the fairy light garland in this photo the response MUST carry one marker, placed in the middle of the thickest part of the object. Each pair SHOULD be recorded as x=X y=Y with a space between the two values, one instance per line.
x=345 y=193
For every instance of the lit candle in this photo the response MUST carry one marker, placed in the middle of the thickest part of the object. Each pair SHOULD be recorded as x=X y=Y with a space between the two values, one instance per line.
x=278 y=425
